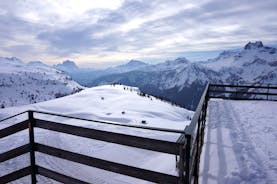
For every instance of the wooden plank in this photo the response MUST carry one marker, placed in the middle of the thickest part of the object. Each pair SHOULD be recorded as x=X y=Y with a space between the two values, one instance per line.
x=243 y=92
x=118 y=138
x=13 y=116
x=13 y=129
x=113 y=123
x=243 y=86
x=181 y=164
x=57 y=176
x=241 y=98
x=15 y=175
x=14 y=153
x=108 y=165
x=187 y=159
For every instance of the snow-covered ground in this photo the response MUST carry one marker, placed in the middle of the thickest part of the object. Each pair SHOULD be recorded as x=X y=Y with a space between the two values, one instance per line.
x=240 y=144
x=110 y=103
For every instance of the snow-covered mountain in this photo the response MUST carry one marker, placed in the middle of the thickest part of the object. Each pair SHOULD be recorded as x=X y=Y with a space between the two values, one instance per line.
x=182 y=81
x=33 y=82
x=130 y=66
x=37 y=64
x=11 y=60
x=67 y=66
x=117 y=103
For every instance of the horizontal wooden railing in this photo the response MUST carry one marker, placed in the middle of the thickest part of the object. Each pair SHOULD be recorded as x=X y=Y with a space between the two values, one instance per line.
x=58 y=176
x=112 y=137
x=243 y=92
x=16 y=175
x=107 y=165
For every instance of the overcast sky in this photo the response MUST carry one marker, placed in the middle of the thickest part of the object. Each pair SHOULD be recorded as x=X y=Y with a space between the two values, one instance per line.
x=101 y=33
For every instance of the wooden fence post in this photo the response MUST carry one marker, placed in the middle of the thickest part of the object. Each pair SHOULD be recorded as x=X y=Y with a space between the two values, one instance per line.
x=187 y=157
x=267 y=91
x=181 y=164
x=236 y=90
x=32 y=146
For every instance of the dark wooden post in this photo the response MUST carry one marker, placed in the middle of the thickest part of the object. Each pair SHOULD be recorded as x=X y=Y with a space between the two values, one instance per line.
x=237 y=90
x=181 y=164
x=267 y=91
x=187 y=157
x=198 y=144
x=32 y=146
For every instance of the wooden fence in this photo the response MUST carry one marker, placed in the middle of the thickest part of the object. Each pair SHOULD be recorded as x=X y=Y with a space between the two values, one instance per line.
x=187 y=148
x=173 y=148
x=243 y=92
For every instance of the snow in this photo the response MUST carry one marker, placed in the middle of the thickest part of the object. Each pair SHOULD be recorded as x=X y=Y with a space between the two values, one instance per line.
x=238 y=59
x=33 y=82
x=100 y=103
x=240 y=143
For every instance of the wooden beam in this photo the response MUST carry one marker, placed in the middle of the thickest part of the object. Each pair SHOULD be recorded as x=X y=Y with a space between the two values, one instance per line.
x=13 y=116
x=238 y=98
x=113 y=123
x=57 y=176
x=13 y=129
x=108 y=165
x=14 y=153
x=243 y=86
x=15 y=175
x=243 y=92
x=118 y=138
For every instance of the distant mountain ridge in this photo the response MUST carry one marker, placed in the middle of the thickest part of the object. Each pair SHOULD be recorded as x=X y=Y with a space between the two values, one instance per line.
x=67 y=66
x=183 y=81
x=130 y=66
x=134 y=63
x=85 y=75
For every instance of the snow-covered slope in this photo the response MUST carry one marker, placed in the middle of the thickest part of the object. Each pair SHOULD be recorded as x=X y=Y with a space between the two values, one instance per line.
x=240 y=143
x=110 y=103
x=33 y=82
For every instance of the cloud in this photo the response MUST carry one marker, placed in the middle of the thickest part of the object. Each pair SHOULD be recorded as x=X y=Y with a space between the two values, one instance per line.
x=109 y=31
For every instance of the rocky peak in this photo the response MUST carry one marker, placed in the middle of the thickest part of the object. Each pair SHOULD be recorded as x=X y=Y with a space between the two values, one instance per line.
x=135 y=63
x=181 y=60
x=254 y=45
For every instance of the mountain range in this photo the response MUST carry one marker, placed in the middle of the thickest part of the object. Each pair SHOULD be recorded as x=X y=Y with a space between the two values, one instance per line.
x=180 y=81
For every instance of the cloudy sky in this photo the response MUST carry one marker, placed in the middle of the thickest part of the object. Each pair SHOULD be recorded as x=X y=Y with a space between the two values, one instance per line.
x=99 y=33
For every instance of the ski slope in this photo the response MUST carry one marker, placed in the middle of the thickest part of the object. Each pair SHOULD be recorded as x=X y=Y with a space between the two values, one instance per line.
x=240 y=144
x=101 y=103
